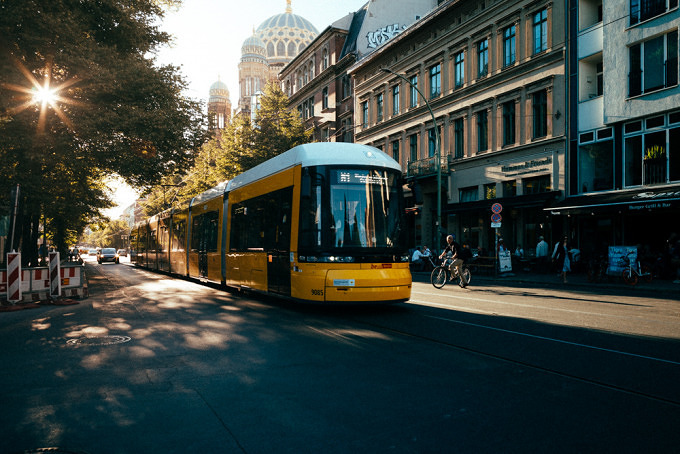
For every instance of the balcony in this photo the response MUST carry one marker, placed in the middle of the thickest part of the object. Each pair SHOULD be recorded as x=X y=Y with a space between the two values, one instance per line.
x=427 y=167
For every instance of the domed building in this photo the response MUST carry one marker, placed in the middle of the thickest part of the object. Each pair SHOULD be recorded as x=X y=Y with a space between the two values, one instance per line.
x=273 y=44
x=219 y=105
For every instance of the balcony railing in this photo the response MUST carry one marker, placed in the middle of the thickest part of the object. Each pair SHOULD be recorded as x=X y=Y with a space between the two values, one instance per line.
x=428 y=166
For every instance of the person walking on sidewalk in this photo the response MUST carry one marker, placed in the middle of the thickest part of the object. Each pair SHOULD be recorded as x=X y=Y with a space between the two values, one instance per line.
x=561 y=258
x=542 y=254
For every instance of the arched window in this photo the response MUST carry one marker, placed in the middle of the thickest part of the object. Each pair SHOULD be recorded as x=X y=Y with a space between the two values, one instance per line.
x=280 y=49
x=291 y=49
x=301 y=48
x=270 y=50
x=324 y=57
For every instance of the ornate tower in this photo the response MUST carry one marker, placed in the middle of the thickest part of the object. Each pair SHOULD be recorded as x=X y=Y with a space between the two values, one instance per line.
x=219 y=106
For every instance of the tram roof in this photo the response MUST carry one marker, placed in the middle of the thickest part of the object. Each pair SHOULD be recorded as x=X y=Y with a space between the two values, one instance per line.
x=317 y=154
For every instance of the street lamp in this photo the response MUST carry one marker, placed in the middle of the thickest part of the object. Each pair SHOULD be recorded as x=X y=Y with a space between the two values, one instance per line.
x=436 y=147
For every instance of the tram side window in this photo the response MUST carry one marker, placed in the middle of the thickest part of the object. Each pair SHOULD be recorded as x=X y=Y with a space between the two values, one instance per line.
x=204 y=228
x=262 y=223
x=153 y=243
x=179 y=235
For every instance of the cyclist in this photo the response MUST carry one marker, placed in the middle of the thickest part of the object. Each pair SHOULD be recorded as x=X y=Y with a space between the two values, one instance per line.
x=455 y=249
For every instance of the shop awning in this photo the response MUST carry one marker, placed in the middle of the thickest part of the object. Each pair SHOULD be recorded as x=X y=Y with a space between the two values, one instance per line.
x=521 y=201
x=630 y=201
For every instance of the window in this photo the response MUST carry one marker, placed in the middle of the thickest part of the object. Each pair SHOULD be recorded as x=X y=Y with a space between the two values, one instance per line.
x=641 y=10
x=395 y=150
x=364 y=114
x=482 y=131
x=413 y=147
x=509 y=123
x=413 y=99
x=653 y=64
x=483 y=58
x=431 y=141
x=652 y=152
x=379 y=107
x=595 y=163
x=325 y=134
x=490 y=191
x=537 y=185
x=540 y=27
x=468 y=194
x=539 y=108
x=435 y=81
x=459 y=69
x=311 y=106
x=509 y=46
x=458 y=138
x=510 y=188
x=395 y=100
x=324 y=59
x=324 y=98
x=346 y=87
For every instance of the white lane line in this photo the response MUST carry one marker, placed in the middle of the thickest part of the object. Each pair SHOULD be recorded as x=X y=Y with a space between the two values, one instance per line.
x=651 y=358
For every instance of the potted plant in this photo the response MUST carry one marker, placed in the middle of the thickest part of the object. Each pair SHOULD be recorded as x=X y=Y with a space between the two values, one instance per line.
x=655 y=164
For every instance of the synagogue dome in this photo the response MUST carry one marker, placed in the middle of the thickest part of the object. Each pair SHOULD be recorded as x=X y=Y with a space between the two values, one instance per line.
x=285 y=35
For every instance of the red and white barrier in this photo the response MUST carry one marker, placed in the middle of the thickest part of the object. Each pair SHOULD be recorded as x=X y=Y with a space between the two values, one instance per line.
x=14 y=277
x=35 y=283
x=55 y=275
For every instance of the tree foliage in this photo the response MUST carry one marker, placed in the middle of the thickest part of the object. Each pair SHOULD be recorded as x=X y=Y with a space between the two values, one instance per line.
x=116 y=111
x=240 y=146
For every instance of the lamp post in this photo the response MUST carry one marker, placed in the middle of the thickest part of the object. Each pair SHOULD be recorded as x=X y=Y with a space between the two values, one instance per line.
x=436 y=147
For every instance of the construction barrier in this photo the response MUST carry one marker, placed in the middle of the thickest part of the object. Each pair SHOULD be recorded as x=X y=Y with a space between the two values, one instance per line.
x=55 y=280
x=13 y=277
x=35 y=283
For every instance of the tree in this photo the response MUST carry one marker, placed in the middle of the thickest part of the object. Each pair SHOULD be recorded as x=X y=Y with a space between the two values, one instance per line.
x=237 y=148
x=106 y=108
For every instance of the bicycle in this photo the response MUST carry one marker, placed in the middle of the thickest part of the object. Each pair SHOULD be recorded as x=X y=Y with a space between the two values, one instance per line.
x=634 y=270
x=441 y=274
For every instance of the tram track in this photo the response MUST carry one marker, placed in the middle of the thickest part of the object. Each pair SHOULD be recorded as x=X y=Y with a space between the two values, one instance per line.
x=570 y=352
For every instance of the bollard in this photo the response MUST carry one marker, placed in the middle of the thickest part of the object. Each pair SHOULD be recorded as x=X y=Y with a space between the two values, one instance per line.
x=55 y=275
x=14 y=277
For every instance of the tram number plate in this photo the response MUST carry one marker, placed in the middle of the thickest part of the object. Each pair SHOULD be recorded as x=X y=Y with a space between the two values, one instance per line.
x=343 y=282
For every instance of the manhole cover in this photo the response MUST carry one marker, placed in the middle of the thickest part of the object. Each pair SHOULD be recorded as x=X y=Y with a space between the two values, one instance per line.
x=99 y=340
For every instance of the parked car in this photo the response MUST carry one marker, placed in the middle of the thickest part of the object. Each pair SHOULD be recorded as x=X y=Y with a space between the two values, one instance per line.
x=92 y=252
x=108 y=254
x=122 y=252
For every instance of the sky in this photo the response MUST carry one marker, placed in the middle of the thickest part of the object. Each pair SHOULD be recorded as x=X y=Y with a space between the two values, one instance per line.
x=207 y=39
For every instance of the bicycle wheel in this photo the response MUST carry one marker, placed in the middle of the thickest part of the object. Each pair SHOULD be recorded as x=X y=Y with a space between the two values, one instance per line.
x=466 y=277
x=629 y=277
x=646 y=273
x=438 y=277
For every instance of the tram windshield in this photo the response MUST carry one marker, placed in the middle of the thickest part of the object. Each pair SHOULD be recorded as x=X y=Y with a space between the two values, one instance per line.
x=351 y=209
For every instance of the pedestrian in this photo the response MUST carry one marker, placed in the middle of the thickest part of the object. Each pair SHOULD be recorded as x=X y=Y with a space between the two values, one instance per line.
x=417 y=260
x=519 y=252
x=542 y=254
x=501 y=247
x=561 y=258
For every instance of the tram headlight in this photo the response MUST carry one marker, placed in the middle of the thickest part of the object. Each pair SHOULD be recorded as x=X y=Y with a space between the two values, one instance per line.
x=330 y=259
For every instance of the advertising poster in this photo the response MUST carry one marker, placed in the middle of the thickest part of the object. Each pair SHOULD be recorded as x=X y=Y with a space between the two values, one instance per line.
x=505 y=261
x=618 y=258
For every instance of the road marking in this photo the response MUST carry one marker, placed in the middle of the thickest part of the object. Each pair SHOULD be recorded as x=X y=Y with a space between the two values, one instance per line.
x=577 y=344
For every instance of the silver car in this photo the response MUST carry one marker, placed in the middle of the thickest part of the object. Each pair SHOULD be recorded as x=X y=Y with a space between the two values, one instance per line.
x=108 y=254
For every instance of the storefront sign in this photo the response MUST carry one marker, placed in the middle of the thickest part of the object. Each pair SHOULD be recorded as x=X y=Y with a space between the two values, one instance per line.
x=527 y=167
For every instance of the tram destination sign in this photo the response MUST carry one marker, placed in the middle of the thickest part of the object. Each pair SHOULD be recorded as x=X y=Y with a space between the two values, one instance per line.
x=360 y=177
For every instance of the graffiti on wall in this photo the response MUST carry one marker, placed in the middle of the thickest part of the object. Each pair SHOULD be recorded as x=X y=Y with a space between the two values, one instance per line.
x=382 y=35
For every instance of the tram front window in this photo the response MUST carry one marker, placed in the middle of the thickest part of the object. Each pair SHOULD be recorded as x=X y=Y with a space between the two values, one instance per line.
x=350 y=209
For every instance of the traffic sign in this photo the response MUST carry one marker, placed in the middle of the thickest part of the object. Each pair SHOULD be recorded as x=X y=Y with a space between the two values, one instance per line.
x=496 y=225
x=496 y=207
x=496 y=217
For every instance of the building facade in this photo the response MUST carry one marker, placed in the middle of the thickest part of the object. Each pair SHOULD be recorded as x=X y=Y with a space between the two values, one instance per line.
x=484 y=82
x=219 y=106
x=273 y=45
x=624 y=150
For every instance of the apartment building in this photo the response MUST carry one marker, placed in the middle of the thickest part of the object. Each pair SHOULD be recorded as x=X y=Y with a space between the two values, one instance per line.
x=624 y=150
x=481 y=84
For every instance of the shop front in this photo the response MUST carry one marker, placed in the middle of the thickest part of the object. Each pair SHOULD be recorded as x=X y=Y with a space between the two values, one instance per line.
x=642 y=217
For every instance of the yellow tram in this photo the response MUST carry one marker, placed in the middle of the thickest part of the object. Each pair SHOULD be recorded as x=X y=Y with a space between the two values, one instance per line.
x=322 y=222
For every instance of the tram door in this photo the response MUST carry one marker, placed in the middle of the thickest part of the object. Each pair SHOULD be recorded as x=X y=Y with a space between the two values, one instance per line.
x=278 y=235
x=204 y=238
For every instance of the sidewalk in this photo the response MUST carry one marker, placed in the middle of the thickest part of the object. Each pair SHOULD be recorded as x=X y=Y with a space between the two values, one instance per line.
x=575 y=281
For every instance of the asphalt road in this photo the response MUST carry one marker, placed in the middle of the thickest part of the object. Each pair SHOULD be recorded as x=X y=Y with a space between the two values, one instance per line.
x=154 y=364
